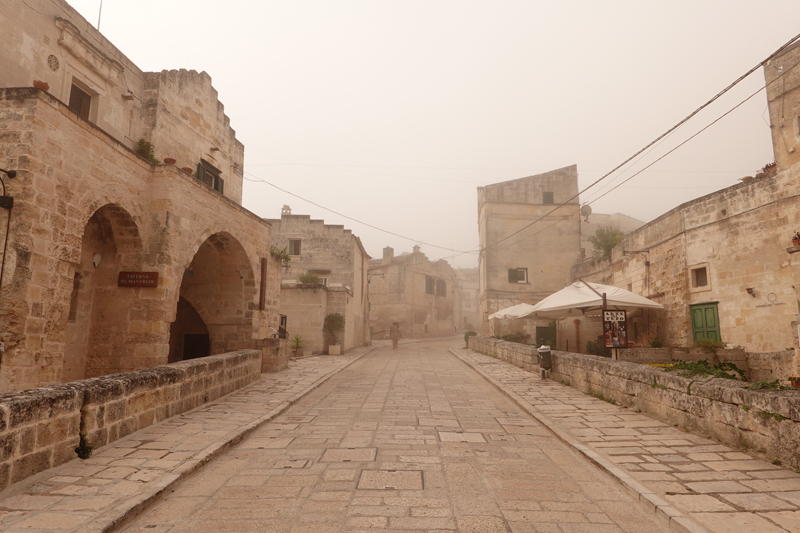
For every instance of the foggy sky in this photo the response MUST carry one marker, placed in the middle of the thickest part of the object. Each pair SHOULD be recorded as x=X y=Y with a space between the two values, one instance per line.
x=393 y=112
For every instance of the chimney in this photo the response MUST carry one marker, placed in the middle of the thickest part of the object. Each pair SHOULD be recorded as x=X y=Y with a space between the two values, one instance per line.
x=286 y=210
x=388 y=254
x=416 y=248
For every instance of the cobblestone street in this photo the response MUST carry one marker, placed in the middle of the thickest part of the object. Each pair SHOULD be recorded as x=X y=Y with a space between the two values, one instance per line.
x=401 y=440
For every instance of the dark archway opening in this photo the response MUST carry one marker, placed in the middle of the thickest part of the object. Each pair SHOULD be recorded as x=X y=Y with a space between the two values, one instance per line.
x=188 y=335
x=216 y=303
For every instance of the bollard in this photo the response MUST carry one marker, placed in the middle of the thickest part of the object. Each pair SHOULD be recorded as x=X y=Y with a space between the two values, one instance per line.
x=545 y=360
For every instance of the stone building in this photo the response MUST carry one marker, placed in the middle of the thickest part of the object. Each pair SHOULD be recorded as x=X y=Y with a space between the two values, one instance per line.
x=467 y=288
x=118 y=259
x=723 y=265
x=529 y=242
x=338 y=258
x=410 y=289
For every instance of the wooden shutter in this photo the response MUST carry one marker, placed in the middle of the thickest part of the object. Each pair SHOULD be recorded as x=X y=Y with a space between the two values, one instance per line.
x=512 y=275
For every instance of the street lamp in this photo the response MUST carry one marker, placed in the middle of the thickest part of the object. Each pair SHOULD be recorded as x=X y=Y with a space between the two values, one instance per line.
x=8 y=203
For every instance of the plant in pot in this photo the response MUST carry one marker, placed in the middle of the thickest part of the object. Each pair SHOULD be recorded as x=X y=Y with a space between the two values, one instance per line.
x=796 y=238
x=334 y=323
x=297 y=343
x=795 y=381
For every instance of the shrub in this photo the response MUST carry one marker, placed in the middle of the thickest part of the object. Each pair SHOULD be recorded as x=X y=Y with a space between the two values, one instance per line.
x=518 y=337
x=146 y=150
x=334 y=323
x=708 y=345
x=597 y=348
x=704 y=368
x=297 y=343
x=467 y=335
x=310 y=278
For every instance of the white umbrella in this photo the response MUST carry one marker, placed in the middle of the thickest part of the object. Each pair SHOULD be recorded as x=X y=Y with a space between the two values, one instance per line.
x=515 y=311
x=581 y=297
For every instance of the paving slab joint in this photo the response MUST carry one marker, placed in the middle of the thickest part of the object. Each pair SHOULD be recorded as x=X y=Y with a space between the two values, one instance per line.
x=114 y=519
x=672 y=517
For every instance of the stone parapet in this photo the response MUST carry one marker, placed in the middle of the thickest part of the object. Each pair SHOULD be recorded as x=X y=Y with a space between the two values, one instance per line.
x=763 y=422
x=40 y=428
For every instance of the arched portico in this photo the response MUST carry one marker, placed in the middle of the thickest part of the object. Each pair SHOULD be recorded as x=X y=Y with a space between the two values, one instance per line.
x=98 y=340
x=216 y=301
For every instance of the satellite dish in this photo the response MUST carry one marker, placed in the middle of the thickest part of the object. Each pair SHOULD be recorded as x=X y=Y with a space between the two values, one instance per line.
x=586 y=210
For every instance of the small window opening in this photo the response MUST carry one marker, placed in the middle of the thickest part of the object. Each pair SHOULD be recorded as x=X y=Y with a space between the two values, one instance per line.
x=80 y=101
x=294 y=246
x=518 y=275
x=430 y=285
x=547 y=198
x=699 y=277
x=211 y=176
x=441 y=287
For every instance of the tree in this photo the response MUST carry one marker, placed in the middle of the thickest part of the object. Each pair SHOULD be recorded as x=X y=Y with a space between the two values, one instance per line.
x=604 y=239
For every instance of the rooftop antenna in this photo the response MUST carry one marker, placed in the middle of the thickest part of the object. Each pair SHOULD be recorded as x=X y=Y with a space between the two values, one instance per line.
x=99 y=15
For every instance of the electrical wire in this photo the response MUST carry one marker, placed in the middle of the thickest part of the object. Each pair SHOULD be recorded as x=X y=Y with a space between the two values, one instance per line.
x=449 y=249
x=656 y=140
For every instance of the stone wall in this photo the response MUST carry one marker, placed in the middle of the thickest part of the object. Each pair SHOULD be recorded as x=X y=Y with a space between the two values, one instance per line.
x=40 y=428
x=763 y=422
x=418 y=293
x=510 y=240
x=80 y=192
x=334 y=253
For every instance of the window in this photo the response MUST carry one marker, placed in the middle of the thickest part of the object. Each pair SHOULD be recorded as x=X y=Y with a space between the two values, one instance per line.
x=547 y=198
x=430 y=285
x=324 y=281
x=699 y=279
x=518 y=275
x=210 y=175
x=80 y=101
x=441 y=287
x=294 y=246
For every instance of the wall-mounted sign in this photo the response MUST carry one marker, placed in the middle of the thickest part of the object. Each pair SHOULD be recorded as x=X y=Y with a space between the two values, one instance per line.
x=137 y=279
x=615 y=329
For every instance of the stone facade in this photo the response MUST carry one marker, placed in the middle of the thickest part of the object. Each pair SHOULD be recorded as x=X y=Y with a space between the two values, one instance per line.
x=542 y=257
x=414 y=291
x=338 y=257
x=87 y=207
x=41 y=428
x=468 y=291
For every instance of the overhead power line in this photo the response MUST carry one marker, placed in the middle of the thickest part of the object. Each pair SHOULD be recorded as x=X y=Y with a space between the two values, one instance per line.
x=367 y=224
x=656 y=140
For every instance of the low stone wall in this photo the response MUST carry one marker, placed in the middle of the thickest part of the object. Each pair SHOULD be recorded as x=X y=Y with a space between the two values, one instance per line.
x=765 y=422
x=40 y=428
x=275 y=354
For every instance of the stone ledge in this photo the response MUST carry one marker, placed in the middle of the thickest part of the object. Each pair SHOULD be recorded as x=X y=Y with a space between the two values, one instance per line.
x=766 y=422
x=40 y=428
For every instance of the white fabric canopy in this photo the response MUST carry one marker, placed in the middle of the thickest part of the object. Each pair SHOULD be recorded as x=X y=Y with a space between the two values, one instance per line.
x=516 y=311
x=582 y=296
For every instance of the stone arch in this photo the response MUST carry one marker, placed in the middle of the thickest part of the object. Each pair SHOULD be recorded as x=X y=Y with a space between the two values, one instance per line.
x=218 y=284
x=98 y=333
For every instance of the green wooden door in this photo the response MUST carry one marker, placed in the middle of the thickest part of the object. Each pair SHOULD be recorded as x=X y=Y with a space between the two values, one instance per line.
x=705 y=322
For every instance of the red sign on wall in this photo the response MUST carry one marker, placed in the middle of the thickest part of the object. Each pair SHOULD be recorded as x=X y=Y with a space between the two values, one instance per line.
x=137 y=279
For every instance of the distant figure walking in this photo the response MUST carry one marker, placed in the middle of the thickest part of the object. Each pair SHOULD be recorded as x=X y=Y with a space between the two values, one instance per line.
x=394 y=334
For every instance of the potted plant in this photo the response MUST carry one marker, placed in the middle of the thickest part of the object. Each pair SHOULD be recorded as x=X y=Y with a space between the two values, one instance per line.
x=41 y=84
x=297 y=344
x=795 y=381
x=170 y=160
x=796 y=238
x=334 y=322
